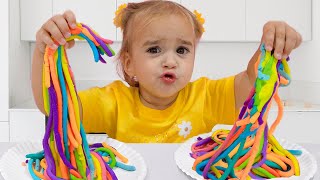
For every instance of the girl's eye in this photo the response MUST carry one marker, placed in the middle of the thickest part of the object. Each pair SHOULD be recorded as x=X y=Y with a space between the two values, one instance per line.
x=154 y=50
x=182 y=50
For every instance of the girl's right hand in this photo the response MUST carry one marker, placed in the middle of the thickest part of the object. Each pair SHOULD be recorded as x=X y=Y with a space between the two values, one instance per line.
x=57 y=28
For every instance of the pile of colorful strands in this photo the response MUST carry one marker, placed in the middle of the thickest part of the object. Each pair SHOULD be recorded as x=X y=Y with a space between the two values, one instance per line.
x=249 y=149
x=67 y=154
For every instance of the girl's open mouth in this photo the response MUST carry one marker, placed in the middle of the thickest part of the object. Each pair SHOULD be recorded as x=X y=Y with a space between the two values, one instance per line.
x=168 y=78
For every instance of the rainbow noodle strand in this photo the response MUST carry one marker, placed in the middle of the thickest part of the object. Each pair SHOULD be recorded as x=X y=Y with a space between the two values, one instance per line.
x=249 y=149
x=66 y=153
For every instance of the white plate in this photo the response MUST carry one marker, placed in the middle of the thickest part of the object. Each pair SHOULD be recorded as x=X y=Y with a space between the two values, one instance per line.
x=11 y=168
x=308 y=164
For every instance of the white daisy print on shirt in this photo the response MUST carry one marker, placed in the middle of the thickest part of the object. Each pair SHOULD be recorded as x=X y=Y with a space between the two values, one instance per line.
x=185 y=128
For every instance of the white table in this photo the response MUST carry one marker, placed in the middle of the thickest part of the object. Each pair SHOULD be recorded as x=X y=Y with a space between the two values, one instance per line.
x=162 y=166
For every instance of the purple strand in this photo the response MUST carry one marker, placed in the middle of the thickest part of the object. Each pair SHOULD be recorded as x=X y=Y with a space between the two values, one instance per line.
x=113 y=175
x=56 y=132
x=105 y=48
x=101 y=59
x=51 y=168
x=255 y=177
x=204 y=141
x=250 y=105
x=96 y=145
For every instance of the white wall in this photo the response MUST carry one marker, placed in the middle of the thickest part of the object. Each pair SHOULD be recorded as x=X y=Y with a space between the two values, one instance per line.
x=4 y=18
x=305 y=68
x=19 y=59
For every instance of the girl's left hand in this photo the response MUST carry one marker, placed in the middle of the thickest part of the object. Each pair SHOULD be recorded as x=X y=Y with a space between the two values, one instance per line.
x=281 y=37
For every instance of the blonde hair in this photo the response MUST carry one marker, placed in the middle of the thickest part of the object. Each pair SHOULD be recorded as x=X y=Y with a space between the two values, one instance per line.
x=147 y=11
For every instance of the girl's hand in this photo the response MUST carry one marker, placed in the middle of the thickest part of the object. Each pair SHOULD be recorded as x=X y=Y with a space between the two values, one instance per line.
x=281 y=37
x=57 y=28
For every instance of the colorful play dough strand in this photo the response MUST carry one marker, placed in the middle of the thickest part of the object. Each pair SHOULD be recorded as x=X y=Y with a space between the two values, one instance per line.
x=249 y=149
x=67 y=154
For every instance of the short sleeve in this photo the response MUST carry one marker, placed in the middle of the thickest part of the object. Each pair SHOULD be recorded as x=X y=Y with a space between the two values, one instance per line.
x=220 y=102
x=99 y=110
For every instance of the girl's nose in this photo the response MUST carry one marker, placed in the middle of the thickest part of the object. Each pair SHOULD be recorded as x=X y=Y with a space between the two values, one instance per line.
x=169 y=62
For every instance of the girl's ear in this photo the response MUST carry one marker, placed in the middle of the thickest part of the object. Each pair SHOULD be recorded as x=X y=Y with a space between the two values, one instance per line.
x=128 y=65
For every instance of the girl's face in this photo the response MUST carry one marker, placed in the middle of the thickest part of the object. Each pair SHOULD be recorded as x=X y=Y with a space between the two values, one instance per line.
x=162 y=56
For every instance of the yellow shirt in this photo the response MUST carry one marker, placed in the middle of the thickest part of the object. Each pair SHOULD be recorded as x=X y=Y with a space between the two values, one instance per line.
x=117 y=111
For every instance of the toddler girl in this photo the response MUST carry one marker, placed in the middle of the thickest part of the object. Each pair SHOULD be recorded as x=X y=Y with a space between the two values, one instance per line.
x=157 y=56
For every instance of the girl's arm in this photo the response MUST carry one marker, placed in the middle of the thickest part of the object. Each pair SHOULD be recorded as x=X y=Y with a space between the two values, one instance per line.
x=244 y=81
x=36 y=80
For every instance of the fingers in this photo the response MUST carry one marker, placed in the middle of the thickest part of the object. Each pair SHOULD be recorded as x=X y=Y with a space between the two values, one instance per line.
x=268 y=36
x=69 y=44
x=55 y=31
x=281 y=38
x=45 y=40
x=290 y=42
x=70 y=18
x=56 y=28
